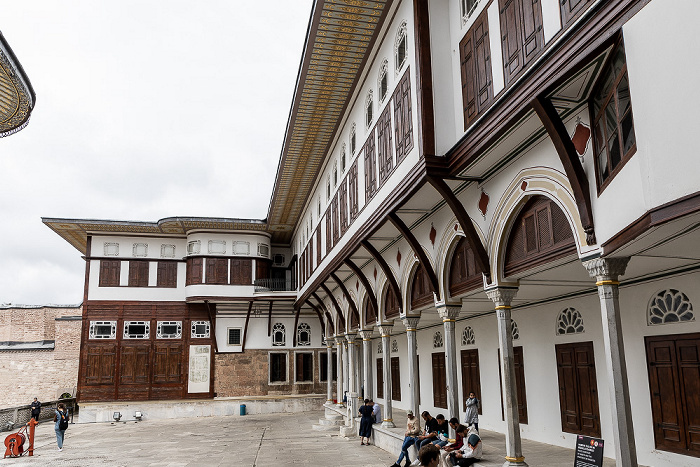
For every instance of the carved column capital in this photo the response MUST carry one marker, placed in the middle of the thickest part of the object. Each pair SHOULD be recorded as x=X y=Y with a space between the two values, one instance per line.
x=502 y=296
x=606 y=269
x=366 y=334
x=350 y=338
x=330 y=342
x=448 y=312
x=385 y=330
x=339 y=340
x=411 y=322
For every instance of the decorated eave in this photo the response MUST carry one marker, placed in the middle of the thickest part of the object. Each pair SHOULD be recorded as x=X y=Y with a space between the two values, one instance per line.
x=76 y=231
x=339 y=39
x=16 y=94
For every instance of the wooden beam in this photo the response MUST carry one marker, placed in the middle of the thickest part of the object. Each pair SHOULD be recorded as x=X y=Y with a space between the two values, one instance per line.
x=269 y=320
x=418 y=250
x=245 y=329
x=365 y=283
x=296 y=323
x=318 y=313
x=353 y=308
x=213 y=326
x=335 y=303
x=322 y=305
x=387 y=272
x=568 y=156
x=481 y=257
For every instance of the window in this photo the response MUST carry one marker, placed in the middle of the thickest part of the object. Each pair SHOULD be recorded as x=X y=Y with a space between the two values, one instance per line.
x=437 y=340
x=343 y=206
x=353 y=139
x=167 y=251
x=521 y=34
x=335 y=176
x=395 y=379
x=323 y=367
x=353 y=192
x=383 y=81
x=169 y=330
x=217 y=271
x=195 y=267
x=439 y=380
x=343 y=158
x=403 y=120
x=401 y=46
x=471 y=381
x=670 y=306
x=569 y=321
x=384 y=152
x=217 y=247
x=138 y=273
x=110 y=271
x=319 y=208
x=303 y=334
x=380 y=377
x=111 y=249
x=167 y=274
x=370 y=168
x=264 y=250
x=278 y=334
x=234 y=336
x=200 y=329
x=468 y=336
x=475 y=60
x=611 y=113
x=137 y=329
x=194 y=247
x=241 y=271
x=278 y=367
x=304 y=367
x=103 y=329
x=467 y=8
x=369 y=108
x=328 y=189
x=140 y=249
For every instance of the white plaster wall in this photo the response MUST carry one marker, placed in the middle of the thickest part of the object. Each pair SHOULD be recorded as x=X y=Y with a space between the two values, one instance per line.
x=443 y=86
x=126 y=244
x=257 y=337
x=551 y=18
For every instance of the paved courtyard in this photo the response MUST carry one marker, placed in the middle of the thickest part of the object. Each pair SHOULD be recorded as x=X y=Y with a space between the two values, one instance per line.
x=252 y=440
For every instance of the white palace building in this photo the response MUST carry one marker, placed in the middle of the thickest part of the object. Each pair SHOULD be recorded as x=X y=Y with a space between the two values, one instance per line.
x=491 y=196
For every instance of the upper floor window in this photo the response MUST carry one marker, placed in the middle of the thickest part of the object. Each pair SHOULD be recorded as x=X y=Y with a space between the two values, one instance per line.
x=111 y=249
x=303 y=334
x=475 y=62
x=383 y=81
x=319 y=207
x=369 y=109
x=467 y=7
x=278 y=334
x=169 y=330
x=335 y=175
x=353 y=139
x=613 y=127
x=328 y=189
x=401 y=46
x=110 y=272
x=343 y=160
x=194 y=247
x=137 y=329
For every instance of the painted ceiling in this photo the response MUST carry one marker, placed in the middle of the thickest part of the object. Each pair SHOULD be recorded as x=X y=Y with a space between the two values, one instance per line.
x=16 y=94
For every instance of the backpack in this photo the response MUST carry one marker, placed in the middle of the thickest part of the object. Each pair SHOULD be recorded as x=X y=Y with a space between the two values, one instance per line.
x=63 y=423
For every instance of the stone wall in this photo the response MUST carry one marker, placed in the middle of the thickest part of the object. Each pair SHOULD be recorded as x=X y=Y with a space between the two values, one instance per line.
x=247 y=374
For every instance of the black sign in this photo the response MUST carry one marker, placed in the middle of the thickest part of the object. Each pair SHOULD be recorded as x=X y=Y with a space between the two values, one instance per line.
x=589 y=452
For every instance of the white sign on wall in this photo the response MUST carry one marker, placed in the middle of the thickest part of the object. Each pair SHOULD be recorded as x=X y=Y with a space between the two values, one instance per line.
x=199 y=371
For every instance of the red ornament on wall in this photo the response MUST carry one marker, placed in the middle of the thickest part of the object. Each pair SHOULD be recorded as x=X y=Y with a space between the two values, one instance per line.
x=398 y=257
x=375 y=273
x=582 y=134
x=483 y=203
x=433 y=234
x=357 y=285
x=523 y=186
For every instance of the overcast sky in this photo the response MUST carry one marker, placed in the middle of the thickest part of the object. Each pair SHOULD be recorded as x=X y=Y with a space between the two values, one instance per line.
x=145 y=109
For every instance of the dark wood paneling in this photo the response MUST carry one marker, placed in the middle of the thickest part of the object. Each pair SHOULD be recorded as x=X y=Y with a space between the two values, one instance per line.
x=464 y=274
x=571 y=9
x=343 y=205
x=421 y=289
x=578 y=394
x=471 y=378
x=194 y=271
x=217 y=271
x=380 y=377
x=391 y=305
x=475 y=58
x=521 y=33
x=395 y=379
x=370 y=167
x=403 y=120
x=384 y=146
x=167 y=274
x=262 y=267
x=439 y=380
x=241 y=271
x=167 y=363
x=424 y=78
x=138 y=273
x=110 y=271
x=353 y=194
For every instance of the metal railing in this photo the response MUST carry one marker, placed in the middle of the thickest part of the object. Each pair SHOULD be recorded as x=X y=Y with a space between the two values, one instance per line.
x=274 y=285
x=14 y=417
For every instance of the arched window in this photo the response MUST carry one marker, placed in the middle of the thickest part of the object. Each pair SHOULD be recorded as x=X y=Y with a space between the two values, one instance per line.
x=540 y=233
x=401 y=46
x=383 y=81
x=303 y=334
x=335 y=175
x=670 y=306
x=369 y=108
x=468 y=336
x=569 y=321
x=343 y=158
x=353 y=139
x=394 y=346
x=437 y=340
x=421 y=289
x=515 y=331
x=464 y=274
x=279 y=335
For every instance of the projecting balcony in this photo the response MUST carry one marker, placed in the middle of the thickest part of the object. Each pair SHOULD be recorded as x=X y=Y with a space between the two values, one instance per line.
x=274 y=285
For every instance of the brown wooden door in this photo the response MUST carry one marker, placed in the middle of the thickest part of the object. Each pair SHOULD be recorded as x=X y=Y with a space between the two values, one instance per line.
x=471 y=381
x=578 y=395
x=134 y=364
x=519 y=383
x=439 y=380
x=167 y=364
x=674 y=381
x=395 y=379
x=380 y=378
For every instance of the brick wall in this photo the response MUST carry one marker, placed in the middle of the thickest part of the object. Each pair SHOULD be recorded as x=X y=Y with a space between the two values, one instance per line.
x=247 y=374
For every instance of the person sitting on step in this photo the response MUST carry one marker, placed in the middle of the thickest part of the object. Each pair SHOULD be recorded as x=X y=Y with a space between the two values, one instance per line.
x=429 y=455
x=443 y=429
x=471 y=451
x=412 y=432
x=460 y=431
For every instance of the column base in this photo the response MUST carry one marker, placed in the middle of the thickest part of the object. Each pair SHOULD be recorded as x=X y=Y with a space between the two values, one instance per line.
x=515 y=462
x=388 y=424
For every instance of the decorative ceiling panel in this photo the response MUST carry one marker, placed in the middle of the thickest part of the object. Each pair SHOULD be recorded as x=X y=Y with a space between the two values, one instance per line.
x=341 y=35
x=16 y=94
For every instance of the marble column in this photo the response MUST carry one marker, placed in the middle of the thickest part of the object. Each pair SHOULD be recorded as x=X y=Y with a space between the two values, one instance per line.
x=606 y=272
x=449 y=314
x=329 y=370
x=352 y=389
x=502 y=298
x=358 y=370
x=339 y=384
x=346 y=370
x=385 y=330
x=411 y=323
x=367 y=362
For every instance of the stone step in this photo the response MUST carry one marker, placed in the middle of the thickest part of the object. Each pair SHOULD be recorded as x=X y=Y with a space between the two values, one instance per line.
x=334 y=417
x=325 y=428
x=348 y=431
x=325 y=421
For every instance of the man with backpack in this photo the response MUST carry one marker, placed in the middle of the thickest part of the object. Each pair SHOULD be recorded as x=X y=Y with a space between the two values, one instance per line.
x=61 y=419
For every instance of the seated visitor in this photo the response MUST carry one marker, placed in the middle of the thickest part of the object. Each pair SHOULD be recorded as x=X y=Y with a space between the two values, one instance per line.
x=443 y=429
x=460 y=432
x=412 y=433
x=377 y=411
x=430 y=433
x=470 y=452
x=429 y=455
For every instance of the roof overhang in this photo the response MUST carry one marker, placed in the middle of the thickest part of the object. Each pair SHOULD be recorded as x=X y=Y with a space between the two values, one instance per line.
x=17 y=97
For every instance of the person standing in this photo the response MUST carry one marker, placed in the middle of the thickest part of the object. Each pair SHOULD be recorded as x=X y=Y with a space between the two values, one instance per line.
x=61 y=424
x=471 y=416
x=36 y=409
x=366 y=422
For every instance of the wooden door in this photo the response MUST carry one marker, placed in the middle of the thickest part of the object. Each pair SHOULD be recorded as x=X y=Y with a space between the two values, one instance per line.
x=439 y=380
x=380 y=378
x=578 y=395
x=395 y=379
x=134 y=364
x=519 y=383
x=674 y=381
x=471 y=381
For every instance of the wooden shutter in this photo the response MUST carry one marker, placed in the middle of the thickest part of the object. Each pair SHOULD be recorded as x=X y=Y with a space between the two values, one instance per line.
x=138 y=273
x=519 y=383
x=384 y=153
x=335 y=216
x=439 y=380
x=464 y=275
x=167 y=363
x=167 y=274
x=217 y=271
x=241 y=271
x=134 y=367
x=299 y=366
x=194 y=271
x=475 y=58
x=99 y=364
x=323 y=366
x=370 y=167
x=578 y=397
x=318 y=244
x=570 y=10
x=329 y=231
x=391 y=304
x=421 y=289
x=395 y=379
x=353 y=188
x=522 y=34
x=343 y=200
x=110 y=270
x=380 y=377
x=403 y=120
x=471 y=380
x=262 y=268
